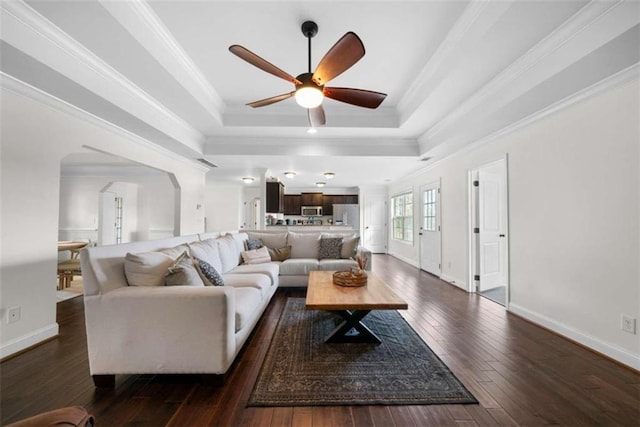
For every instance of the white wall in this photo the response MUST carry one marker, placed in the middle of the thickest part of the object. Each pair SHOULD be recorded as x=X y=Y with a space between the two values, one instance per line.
x=149 y=212
x=34 y=137
x=223 y=205
x=573 y=219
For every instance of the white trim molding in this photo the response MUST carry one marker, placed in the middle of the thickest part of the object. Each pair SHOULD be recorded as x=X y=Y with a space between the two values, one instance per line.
x=21 y=343
x=615 y=352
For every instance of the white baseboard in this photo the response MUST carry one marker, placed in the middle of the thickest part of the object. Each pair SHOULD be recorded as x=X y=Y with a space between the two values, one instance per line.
x=18 y=344
x=617 y=353
x=455 y=282
x=404 y=259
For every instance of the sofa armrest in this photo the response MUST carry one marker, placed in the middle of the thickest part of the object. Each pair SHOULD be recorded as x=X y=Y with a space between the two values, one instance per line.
x=364 y=252
x=174 y=329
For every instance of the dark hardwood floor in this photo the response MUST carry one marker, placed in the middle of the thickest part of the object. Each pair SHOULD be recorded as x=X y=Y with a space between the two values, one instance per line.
x=521 y=374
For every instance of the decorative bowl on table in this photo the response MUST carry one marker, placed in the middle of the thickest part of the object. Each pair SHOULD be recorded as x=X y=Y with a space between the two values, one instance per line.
x=353 y=278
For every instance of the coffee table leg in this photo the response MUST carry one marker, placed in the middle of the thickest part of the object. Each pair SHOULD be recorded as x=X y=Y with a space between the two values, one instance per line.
x=352 y=320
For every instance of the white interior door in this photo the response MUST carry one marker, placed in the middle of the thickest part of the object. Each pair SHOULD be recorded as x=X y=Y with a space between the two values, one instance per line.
x=375 y=223
x=107 y=219
x=430 y=236
x=492 y=247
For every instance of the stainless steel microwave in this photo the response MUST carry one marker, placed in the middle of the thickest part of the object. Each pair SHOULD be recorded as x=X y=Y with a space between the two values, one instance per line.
x=311 y=211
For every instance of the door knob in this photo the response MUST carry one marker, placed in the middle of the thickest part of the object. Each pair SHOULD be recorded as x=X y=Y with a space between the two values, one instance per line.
x=501 y=235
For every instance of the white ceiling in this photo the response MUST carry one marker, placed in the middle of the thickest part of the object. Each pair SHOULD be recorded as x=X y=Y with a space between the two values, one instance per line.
x=456 y=72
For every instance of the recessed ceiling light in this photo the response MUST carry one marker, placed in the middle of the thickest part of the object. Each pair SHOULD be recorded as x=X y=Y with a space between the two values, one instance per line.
x=248 y=179
x=289 y=174
x=329 y=175
x=312 y=130
x=320 y=184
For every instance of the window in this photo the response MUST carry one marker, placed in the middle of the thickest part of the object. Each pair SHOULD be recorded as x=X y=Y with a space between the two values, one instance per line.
x=429 y=219
x=402 y=216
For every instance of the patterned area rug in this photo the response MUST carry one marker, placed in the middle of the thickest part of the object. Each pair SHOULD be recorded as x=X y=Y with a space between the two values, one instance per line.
x=301 y=370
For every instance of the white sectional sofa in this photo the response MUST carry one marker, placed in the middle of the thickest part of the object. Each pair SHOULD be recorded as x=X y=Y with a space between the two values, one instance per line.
x=138 y=325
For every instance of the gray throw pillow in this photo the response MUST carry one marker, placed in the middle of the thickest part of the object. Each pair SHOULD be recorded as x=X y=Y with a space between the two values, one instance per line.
x=330 y=247
x=208 y=274
x=254 y=244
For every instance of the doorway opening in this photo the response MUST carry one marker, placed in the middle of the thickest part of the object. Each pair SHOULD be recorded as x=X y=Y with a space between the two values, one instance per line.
x=489 y=237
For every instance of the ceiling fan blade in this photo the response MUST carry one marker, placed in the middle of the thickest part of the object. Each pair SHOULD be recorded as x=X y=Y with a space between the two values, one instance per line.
x=272 y=100
x=316 y=116
x=359 y=97
x=342 y=55
x=264 y=65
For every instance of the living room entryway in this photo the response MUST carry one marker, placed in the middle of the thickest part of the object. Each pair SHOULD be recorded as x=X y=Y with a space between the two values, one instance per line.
x=489 y=237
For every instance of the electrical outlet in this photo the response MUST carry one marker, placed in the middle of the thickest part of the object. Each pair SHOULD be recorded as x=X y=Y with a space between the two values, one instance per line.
x=13 y=314
x=628 y=324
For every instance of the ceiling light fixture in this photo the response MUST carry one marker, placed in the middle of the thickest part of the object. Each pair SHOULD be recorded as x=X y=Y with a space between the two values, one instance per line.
x=248 y=179
x=320 y=184
x=329 y=175
x=312 y=130
x=289 y=174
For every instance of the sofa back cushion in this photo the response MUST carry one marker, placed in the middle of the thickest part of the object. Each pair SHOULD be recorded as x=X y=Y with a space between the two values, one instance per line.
x=229 y=252
x=303 y=245
x=146 y=268
x=208 y=251
x=270 y=240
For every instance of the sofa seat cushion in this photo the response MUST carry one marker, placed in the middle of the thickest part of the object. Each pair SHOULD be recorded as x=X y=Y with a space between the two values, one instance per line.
x=248 y=302
x=270 y=269
x=298 y=266
x=336 y=264
x=258 y=281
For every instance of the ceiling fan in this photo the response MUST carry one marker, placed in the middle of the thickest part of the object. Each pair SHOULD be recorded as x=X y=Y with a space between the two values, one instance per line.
x=310 y=87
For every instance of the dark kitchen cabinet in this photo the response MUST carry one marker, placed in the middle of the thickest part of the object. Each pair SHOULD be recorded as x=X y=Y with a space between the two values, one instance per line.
x=351 y=199
x=311 y=199
x=292 y=204
x=327 y=204
x=275 y=197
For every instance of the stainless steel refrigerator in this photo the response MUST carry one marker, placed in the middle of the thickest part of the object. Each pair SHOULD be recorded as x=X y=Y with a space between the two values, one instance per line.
x=347 y=215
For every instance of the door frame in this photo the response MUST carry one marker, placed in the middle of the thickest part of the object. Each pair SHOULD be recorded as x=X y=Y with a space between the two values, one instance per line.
x=472 y=220
x=433 y=184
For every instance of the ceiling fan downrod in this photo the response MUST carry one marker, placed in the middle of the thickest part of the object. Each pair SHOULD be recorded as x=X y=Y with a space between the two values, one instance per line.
x=309 y=29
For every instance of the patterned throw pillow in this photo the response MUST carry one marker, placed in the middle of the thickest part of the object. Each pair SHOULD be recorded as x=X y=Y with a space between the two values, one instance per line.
x=254 y=244
x=330 y=247
x=182 y=273
x=208 y=274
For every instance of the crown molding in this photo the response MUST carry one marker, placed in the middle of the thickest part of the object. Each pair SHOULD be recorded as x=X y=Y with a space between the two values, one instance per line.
x=575 y=38
x=391 y=147
x=621 y=78
x=476 y=19
x=27 y=30
x=139 y=19
x=21 y=88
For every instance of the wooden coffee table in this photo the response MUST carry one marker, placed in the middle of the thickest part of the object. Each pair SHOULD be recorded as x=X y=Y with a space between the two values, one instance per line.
x=352 y=303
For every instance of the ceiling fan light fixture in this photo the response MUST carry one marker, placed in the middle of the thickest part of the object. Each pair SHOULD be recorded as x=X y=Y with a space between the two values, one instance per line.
x=309 y=97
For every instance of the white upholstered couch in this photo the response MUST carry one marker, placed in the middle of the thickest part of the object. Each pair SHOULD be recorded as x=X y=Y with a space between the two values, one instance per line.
x=186 y=329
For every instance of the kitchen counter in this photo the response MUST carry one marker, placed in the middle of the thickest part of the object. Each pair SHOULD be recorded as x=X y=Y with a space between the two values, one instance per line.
x=310 y=227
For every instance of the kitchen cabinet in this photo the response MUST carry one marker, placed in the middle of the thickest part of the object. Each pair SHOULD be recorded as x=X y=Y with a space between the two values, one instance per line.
x=327 y=204
x=350 y=199
x=292 y=204
x=275 y=197
x=311 y=199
